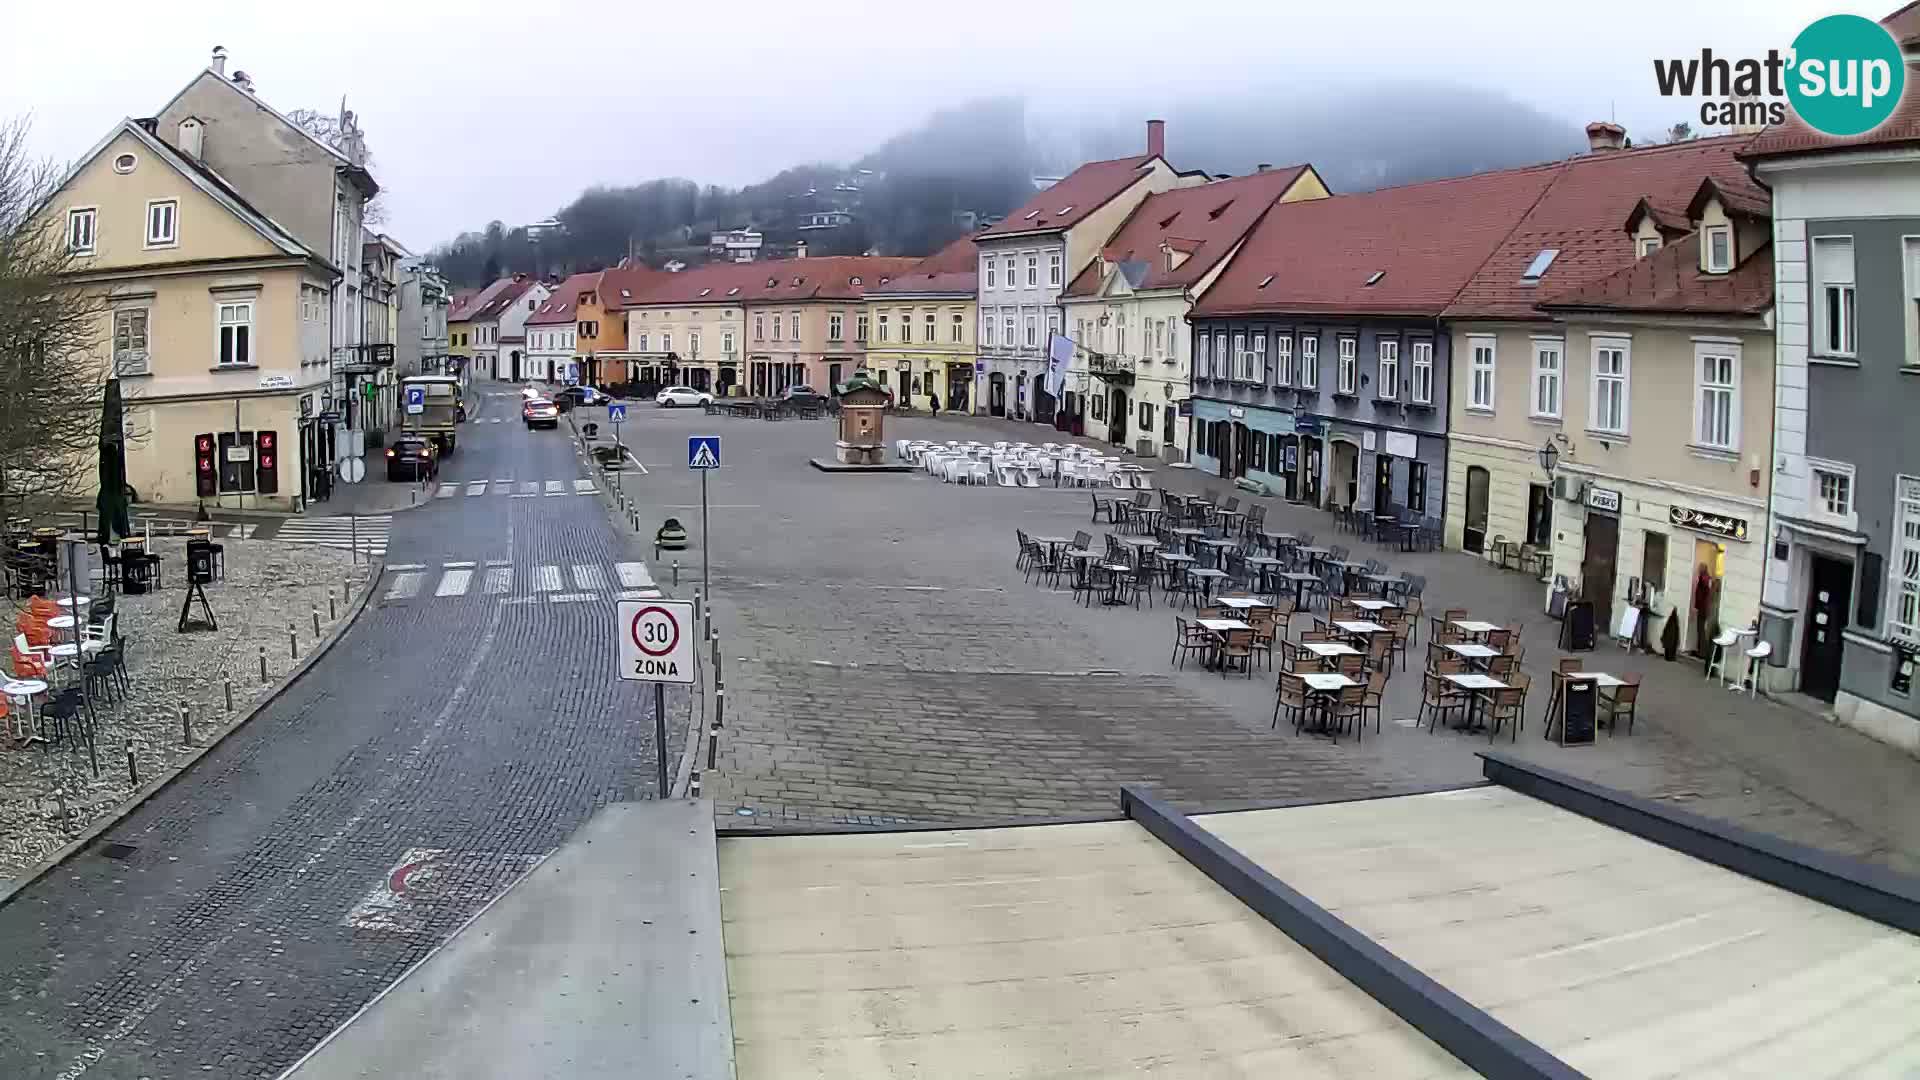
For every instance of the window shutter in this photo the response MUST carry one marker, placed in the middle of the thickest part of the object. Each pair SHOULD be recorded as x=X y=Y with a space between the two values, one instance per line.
x=1833 y=261
x=1872 y=573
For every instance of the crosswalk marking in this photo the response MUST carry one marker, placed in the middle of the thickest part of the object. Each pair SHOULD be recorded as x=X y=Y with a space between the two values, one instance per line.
x=468 y=565
x=338 y=532
x=499 y=580
x=588 y=576
x=560 y=583
x=584 y=487
x=454 y=583
x=547 y=579
x=405 y=585
x=447 y=491
x=633 y=575
x=571 y=598
x=529 y=487
x=554 y=488
x=476 y=487
x=640 y=594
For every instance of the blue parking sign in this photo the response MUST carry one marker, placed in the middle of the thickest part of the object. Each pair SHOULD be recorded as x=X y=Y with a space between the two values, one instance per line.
x=703 y=451
x=617 y=413
x=416 y=399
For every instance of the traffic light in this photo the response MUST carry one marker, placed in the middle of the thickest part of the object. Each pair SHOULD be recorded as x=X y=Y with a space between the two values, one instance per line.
x=266 y=473
x=205 y=480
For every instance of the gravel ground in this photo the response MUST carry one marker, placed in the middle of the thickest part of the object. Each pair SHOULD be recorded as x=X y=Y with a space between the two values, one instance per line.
x=48 y=794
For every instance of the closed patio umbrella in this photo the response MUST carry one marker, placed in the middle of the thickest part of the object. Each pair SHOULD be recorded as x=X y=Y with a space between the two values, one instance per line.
x=112 y=500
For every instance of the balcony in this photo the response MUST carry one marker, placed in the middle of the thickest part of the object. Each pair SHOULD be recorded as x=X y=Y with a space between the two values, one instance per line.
x=1111 y=368
x=366 y=359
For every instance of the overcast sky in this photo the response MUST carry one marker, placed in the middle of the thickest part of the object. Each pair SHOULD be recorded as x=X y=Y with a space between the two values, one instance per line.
x=474 y=115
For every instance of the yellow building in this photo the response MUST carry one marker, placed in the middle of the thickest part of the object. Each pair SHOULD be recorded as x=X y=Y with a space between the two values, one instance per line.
x=919 y=328
x=215 y=318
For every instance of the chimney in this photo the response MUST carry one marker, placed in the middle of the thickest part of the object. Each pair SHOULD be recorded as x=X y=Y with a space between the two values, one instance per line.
x=800 y=250
x=243 y=80
x=1156 y=138
x=220 y=61
x=1605 y=135
x=192 y=138
x=1263 y=166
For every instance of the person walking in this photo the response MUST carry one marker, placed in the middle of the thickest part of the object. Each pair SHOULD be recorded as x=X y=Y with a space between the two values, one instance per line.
x=933 y=403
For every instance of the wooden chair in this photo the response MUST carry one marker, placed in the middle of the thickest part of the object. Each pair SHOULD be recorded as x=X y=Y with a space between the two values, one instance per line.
x=1497 y=640
x=1452 y=665
x=1514 y=643
x=1402 y=628
x=1437 y=696
x=1236 y=646
x=1349 y=707
x=1379 y=652
x=1188 y=638
x=1500 y=666
x=1353 y=666
x=1414 y=608
x=1509 y=704
x=1265 y=630
x=1376 y=692
x=1291 y=699
x=1622 y=702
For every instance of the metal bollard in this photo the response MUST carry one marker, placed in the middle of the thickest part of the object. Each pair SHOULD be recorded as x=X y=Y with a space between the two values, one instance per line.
x=186 y=726
x=227 y=680
x=719 y=709
x=676 y=571
x=263 y=665
x=293 y=642
x=333 y=611
x=316 y=622
x=719 y=673
x=60 y=800
x=133 y=766
x=713 y=742
x=693 y=791
x=696 y=603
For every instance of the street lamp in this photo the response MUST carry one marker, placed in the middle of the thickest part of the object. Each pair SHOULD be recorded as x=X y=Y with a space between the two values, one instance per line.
x=1549 y=457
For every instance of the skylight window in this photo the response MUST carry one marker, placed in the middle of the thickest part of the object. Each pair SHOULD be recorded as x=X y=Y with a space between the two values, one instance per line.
x=1067 y=209
x=1538 y=267
x=1168 y=221
x=1265 y=281
x=796 y=282
x=733 y=290
x=771 y=282
x=1031 y=214
x=704 y=292
x=1374 y=278
x=625 y=295
x=1214 y=214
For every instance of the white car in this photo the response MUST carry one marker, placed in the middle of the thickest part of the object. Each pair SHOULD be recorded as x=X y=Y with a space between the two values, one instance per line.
x=528 y=393
x=674 y=396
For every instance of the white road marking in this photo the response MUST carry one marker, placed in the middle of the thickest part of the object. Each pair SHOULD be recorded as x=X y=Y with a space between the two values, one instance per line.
x=571 y=598
x=405 y=585
x=547 y=579
x=447 y=491
x=554 y=488
x=499 y=580
x=584 y=487
x=454 y=583
x=458 y=565
x=529 y=487
x=502 y=481
x=588 y=576
x=476 y=487
x=633 y=575
x=640 y=594
x=408 y=566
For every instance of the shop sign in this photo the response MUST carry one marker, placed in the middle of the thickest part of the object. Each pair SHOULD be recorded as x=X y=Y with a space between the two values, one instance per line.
x=1186 y=406
x=1686 y=517
x=1401 y=444
x=1607 y=499
x=1306 y=424
x=1236 y=413
x=306 y=406
x=1367 y=440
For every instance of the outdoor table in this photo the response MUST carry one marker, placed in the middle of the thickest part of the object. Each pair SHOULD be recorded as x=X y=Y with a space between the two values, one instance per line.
x=22 y=692
x=1475 y=654
x=1299 y=579
x=60 y=622
x=1477 y=685
x=1185 y=532
x=1264 y=568
x=1323 y=684
x=1382 y=583
x=1329 y=650
x=1051 y=541
x=1206 y=576
x=1217 y=547
x=1218 y=628
x=1476 y=627
x=1241 y=603
x=1230 y=516
x=1375 y=605
x=1360 y=629
x=1139 y=543
x=75 y=601
x=1314 y=554
x=1149 y=516
x=67 y=651
x=1349 y=571
x=1599 y=678
x=1409 y=532
x=1114 y=572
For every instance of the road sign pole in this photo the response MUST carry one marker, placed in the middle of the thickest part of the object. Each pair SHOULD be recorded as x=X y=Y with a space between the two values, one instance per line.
x=706 y=536
x=660 y=736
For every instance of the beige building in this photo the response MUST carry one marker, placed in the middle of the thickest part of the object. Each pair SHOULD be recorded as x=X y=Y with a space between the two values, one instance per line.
x=918 y=330
x=688 y=328
x=216 y=319
x=803 y=320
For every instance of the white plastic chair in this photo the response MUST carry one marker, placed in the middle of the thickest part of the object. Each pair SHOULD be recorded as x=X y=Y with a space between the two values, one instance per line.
x=979 y=471
x=1028 y=476
x=1757 y=665
x=1003 y=475
x=1717 y=662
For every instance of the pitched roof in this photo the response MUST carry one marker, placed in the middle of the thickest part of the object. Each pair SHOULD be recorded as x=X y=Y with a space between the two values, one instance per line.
x=561 y=307
x=255 y=99
x=1204 y=222
x=517 y=286
x=465 y=306
x=712 y=283
x=1670 y=281
x=622 y=286
x=1904 y=25
x=831 y=277
x=1902 y=128
x=1069 y=201
x=953 y=269
x=1580 y=215
x=1424 y=240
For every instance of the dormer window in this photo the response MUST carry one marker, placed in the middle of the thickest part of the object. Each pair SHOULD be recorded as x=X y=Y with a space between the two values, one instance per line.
x=1374 y=278
x=1719 y=245
x=856 y=279
x=1648 y=245
x=773 y=283
x=1538 y=267
x=796 y=282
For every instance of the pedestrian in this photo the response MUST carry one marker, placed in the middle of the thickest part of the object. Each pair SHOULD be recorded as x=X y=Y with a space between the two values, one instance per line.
x=933 y=403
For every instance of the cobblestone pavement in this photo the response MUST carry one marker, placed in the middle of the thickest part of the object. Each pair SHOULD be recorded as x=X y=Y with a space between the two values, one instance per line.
x=48 y=794
x=887 y=662
x=441 y=746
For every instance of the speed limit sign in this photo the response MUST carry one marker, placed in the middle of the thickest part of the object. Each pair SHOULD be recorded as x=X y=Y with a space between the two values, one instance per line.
x=656 y=640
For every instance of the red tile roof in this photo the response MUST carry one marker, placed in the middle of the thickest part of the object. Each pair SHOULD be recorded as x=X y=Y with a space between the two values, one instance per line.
x=953 y=269
x=1581 y=213
x=464 y=305
x=1670 y=281
x=1078 y=194
x=622 y=286
x=1317 y=255
x=564 y=304
x=496 y=305
x=1795 y=137
x=774 y=281
x=1904 y=25
x=1205 y=222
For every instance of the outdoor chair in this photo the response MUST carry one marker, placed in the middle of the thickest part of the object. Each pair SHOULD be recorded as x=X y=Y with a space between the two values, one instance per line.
x=1373 y=698
x=1623 y=702
x=1497 y=639
x=1402 y=628
x=1437 y=697
x=1082 y=540
x=1264 y=632
x=1377 y=656
x=1352 y=665
x=1506 y=705
x=1500 y=666
x=1350 y=708
x=1025 y=549
x=1236 y=646
x=1291 y=699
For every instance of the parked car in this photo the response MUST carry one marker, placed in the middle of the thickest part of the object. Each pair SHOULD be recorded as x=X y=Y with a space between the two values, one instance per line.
x=675 y=396
x=539 y=412
x=578 y=395
x=412 y=457
x=803 y=395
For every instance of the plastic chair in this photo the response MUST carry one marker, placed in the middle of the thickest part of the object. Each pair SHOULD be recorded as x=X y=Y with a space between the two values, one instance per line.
x=1757 y=665
x=1717 y=661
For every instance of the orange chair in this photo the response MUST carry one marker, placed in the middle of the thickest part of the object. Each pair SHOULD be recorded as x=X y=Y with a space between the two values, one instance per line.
x=26 y=665
x=38 y=634
x=42 y=608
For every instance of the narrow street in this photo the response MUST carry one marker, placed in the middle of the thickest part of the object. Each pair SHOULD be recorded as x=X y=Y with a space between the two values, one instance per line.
x=464 y=727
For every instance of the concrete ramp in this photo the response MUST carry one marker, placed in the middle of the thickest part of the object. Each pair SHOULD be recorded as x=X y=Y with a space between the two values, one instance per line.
x=604 y=961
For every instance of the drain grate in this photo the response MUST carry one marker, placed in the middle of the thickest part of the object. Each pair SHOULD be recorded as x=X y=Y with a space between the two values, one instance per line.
x=117 y=851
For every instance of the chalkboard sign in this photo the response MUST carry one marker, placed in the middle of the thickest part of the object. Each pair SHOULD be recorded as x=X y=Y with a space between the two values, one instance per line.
x=1629 y=627
x=1576 y=630
x=1576 y=716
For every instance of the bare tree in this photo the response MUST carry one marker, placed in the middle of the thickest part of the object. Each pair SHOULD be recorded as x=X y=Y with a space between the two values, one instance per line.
x=328 y=130
x=52 y=377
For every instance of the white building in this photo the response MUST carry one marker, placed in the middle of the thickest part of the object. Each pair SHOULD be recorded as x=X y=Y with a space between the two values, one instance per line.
x=553 y=333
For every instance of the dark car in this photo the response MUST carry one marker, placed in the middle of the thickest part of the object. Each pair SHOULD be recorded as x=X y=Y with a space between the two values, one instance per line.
x=568 y=398
x=411 y=457
x=803 y=395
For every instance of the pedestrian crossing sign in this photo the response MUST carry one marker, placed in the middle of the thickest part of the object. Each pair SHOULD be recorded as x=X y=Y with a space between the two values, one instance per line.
x=703 y=451
x=616 y=412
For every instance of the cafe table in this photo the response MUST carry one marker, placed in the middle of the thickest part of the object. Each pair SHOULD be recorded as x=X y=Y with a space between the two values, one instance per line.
x=1241 y=603
x=1208 y=578
x=1360 y=628
x=1219 y=627
x=1375 y=605
x=1473 y=651
x=75 y=601
x=1144 y=543
x=1322 y=684
x=1477 y=685
x=1264 y=567
x=1476 y=627
x=1299 y=579
x=60 y=622
x=22 y=692
x=1599 y=678
x=1329 y=650
x=1217 y=547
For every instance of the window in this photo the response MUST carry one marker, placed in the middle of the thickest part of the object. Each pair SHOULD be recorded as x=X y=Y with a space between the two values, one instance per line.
x=992 y=276
x=885 y=328
x=1417 y=487
x=80 y=231
x=986 y=329
x=1830 y=497
x=125 y=163
x=1033 y=269
x=1011 y=282
x=666 y=341
x=860 y=327
x=1480 y=374
x=1053 y=268
x=1120 y=338
x=1006 y=325
x=1546 y=378
x=932 y=329
x=1389 y=386
x=1649 y=245
x=1719 y=249
x=1204 y=359
x=1259 y=372
x=1222 y=359
x=130 y=341
x=693 y=342
x=236 y=333
x=1241 y=358
x=640 y=343
x=726 y=342
x=1310 y=362
x=836 y=326
x=1423 y=372
x=1904 y=619
x=959 y=330
x=1537 y=269
x=1833 y=304
x=1611 y=371
x=906 y=326
x=759 y=328
x=1716 y=400
x=163 y=220
x=1146 y=416
x=1349 y=373
x=1053 y=326
x=1283 y=359
x=1159 y=342
x=793 y=325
